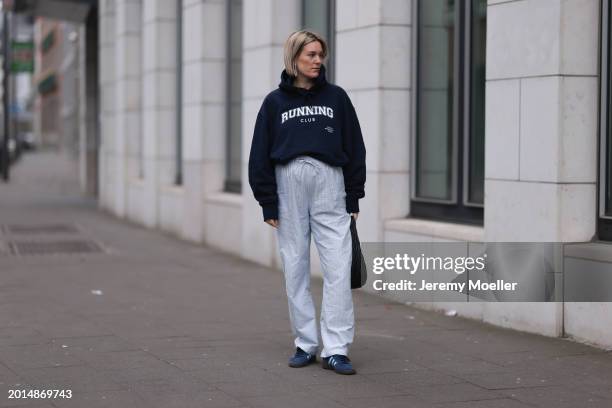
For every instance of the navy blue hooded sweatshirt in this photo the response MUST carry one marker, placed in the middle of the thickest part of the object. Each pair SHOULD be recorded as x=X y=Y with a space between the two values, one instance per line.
x=319 y=122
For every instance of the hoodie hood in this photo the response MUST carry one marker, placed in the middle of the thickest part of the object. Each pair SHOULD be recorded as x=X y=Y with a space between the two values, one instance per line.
x=286 y=83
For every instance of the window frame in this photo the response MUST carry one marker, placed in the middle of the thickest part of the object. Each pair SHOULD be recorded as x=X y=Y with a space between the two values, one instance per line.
x=458 y=208
x=604 y=220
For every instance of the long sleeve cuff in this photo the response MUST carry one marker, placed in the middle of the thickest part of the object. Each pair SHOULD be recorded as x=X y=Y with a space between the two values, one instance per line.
x=352 y=204
x=270 y=211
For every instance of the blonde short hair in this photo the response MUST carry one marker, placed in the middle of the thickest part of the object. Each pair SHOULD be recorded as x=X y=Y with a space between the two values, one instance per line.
x=294 y=45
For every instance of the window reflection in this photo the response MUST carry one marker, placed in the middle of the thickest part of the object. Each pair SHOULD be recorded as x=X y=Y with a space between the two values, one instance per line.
x=234 y=95
x=477 y=101
x=435 y=99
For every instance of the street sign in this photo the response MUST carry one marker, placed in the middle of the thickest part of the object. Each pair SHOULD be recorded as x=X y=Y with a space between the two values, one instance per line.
x=22 y=56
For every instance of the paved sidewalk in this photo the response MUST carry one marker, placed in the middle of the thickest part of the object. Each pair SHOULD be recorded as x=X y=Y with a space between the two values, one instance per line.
x=157 y=322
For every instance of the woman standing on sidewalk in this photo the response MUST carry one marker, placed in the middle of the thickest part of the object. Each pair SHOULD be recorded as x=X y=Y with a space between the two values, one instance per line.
x=307 y=170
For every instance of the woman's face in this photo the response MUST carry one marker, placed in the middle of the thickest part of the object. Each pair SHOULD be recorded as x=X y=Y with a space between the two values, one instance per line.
x=310 y=59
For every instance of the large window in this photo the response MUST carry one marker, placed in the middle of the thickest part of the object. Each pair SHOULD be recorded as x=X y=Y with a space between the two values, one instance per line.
x=178 y=175
x=319 y=16
x=448 y=108
x=605 y=145
x=234 y=97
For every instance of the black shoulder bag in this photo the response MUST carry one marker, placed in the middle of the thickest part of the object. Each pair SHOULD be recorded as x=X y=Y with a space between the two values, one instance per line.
x=359 y=273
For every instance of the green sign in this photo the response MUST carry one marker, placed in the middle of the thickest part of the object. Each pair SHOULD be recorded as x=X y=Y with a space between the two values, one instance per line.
x=22 y=56
x=48 y=41
x=48 y=85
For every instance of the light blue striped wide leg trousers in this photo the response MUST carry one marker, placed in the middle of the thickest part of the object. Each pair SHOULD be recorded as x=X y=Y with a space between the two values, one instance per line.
x=312 y=199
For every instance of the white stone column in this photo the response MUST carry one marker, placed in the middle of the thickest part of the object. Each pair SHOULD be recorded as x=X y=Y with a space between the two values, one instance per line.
x=204 y=128
x=127 y=98
x=541 y=134
x=373 y=54
x=159 y=104
x=267 y=23
x=106 y=58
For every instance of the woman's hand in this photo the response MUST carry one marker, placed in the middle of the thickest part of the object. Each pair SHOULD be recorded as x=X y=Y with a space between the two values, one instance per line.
x=354 y=215
x=272 y=222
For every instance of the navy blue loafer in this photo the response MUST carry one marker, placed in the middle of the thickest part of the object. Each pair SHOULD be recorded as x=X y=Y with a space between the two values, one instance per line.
x=339 y=363
x=302 y=359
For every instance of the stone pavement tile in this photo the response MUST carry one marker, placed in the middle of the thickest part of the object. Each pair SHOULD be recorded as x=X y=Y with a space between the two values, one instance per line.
x=21 y=357
x=388 y=330
x=558 y=371
x=114 y=360
x=225 y=358
x=453 y=393
x=513 y=358
x=180 y=384
x=514 y=379
x=490 y=403
x=368 y=362
x=21 y=335
x=603 y=391
x=105 y=343
x=396 y=401
x=76 y=378
x=31 y=322
x=538 y=348
x=478 y=345
x=432 y=320
x=240 y=390
x=593 y=363
x=537 y=357
x=491 y=341
x=208 y=399
x=68 y=325
x=257 y=347
x=236 y=373
x=155 y=371
x=133 y=328
x=405 y=380
x=225 y=330
x=182 y=390
x=7 y=375
x=382 y=346
x=407 y=327
x=102 y=399
x=295 y=400
x=557 y=396
x=387 y=345
x=182 y=353
x=267 y=356
x=445 y=359
x=355 y=386
x=203 y=363
x=544 y=349
x=173 y=343
x=312 y=375
x=455 y=363
x=284 y=340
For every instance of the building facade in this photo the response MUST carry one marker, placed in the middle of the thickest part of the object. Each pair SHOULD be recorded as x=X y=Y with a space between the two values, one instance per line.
x=48 y=123
x=483 y=121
